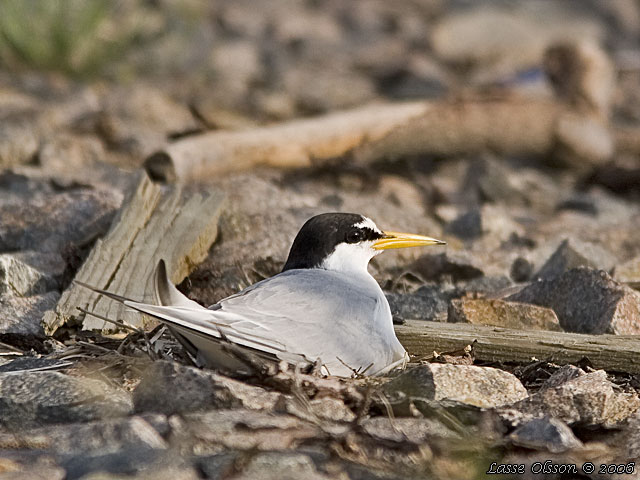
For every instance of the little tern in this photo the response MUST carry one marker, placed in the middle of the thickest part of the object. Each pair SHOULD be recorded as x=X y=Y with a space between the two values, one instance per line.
x=324 y=306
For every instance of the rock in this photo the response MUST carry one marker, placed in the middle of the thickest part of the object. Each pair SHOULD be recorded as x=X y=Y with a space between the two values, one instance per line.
x=521 y=270
x=479 y=386
x=28 y=469
x=37 y=398
x=414 y=430
x=466 y=226
x=574 y=253
x=19 y=140
x=562 y=375
x=547 y=433
x=281 y=466
x=246 y=430
x=19 y=278
x=23 y=315
x=501 y=313
x=457 y=265
x=51 y=223
x=326 y=408
x=139 y=120
x=487 y=284
x=143 y=462
x=98 y=437
x=429 y=302
x=589 y=399
x=628 y=272
x=193 y=389
x=468 y=36
x=586 y=301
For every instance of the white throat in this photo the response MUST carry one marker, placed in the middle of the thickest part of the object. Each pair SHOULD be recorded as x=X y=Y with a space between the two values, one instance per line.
x=350 y=258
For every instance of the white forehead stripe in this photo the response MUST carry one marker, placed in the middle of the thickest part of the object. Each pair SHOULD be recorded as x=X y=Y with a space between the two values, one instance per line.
x=368 y=223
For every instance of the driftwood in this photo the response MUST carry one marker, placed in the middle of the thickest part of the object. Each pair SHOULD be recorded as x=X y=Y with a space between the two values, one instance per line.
x=571 y=128
x=154 y=222
x=493 y=344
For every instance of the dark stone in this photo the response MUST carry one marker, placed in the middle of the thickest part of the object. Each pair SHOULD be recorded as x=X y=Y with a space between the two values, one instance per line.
x=466 y=226
x=23 y=315
x=586 y=301
x=168 y=388
x=521 y=270
x=547 y=433
x=456 y=265
x=429 y=302
x=38 y=398
x=51 y=223
x=572 y=254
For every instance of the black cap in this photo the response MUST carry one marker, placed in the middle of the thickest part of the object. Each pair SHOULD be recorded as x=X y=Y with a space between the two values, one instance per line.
x=320 y=235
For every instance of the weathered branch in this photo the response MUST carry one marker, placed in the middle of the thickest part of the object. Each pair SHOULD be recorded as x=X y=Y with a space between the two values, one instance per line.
x=154 y=222
x=493 y=344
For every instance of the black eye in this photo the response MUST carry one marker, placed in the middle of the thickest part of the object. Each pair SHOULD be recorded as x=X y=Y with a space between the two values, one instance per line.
x=354 y=236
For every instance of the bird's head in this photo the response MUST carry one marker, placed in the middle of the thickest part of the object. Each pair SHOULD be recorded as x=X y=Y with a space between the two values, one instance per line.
x=346 y=242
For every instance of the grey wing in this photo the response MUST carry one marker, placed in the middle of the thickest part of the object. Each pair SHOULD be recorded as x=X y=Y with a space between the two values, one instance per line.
x=318 y=313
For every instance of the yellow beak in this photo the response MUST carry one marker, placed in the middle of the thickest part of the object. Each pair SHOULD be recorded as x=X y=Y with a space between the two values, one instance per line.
x=403 y=240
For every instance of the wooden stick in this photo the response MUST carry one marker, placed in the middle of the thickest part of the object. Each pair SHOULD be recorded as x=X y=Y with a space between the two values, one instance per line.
x=155 y=222
x=619 y=353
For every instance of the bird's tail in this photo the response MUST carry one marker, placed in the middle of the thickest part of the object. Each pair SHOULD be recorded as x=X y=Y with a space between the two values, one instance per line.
x=205 y=337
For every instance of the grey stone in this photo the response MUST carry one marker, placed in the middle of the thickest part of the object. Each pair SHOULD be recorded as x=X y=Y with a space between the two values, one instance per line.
x=168 y=387
x=479 y=386
x=521 y=270
x=586 y=301
x=501 y=313
x=547 y=433
x=21 y=279
x=51 y=223
x=574 y=253
x=38 y=398
x=326 y=408
x=562 y=375
x=429 y=302
x=414 y=430
x=245 y=429
x=281 y=466
x=466 y=226
x=23 y=315
x=589 y=399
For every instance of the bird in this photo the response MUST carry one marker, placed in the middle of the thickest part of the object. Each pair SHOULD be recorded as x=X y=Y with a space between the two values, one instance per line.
x=324 y=308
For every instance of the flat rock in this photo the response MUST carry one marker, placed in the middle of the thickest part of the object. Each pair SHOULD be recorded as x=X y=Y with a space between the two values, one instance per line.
x=96 y=437
x=574 y=253
x=246 y=430
x=589 y=399
x=586 y=301
x=479 y=386
x=23 y=315
x=37 y=398
x=51 y=223
x=168 y=388
x=414 y=430
x=547 y=433
x=501 y=313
